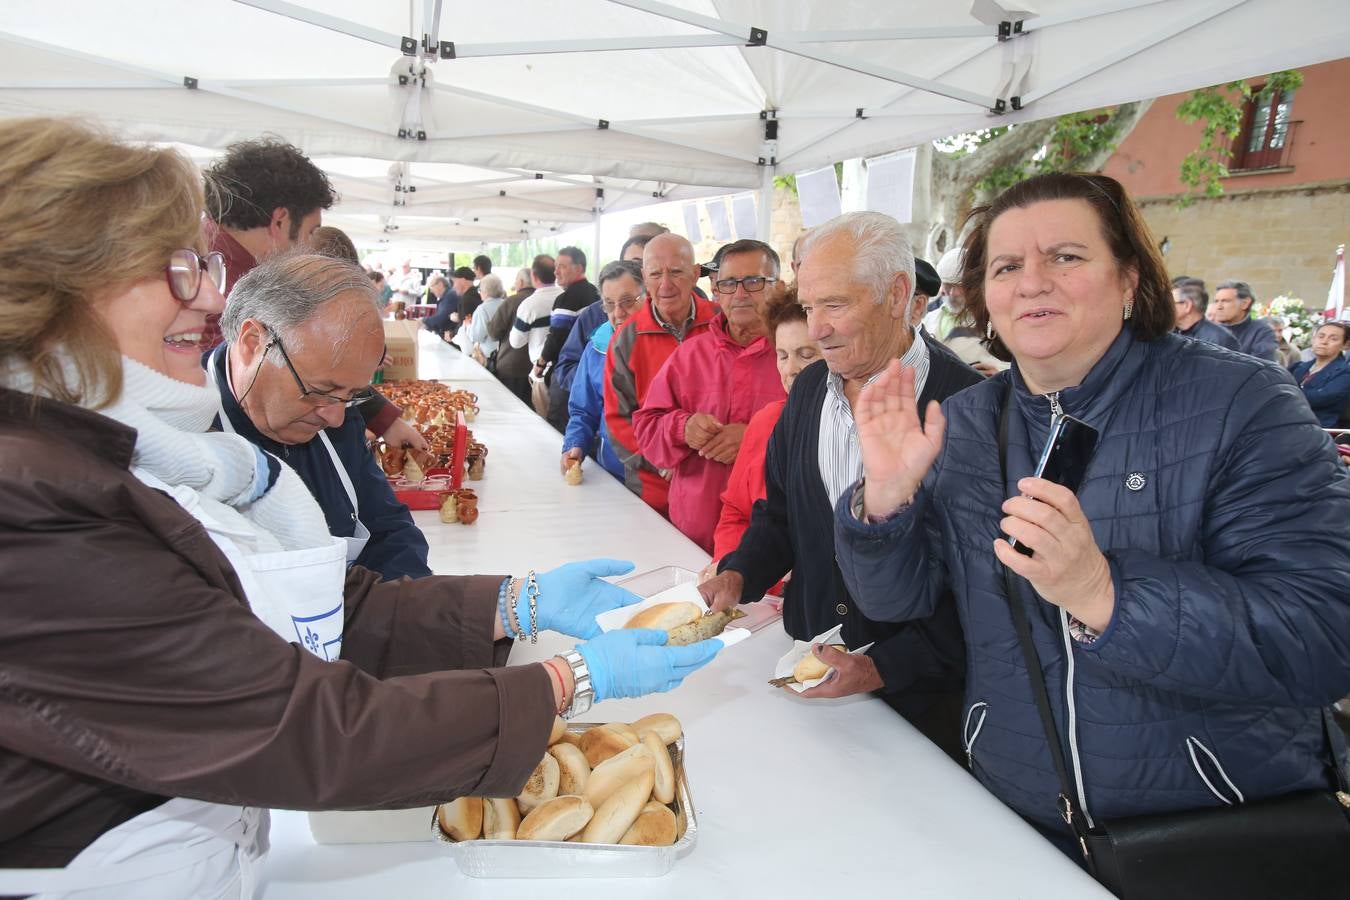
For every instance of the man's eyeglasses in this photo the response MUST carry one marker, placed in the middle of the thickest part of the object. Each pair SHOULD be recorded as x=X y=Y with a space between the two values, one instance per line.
x=752 y=283
x=625 y=305
x=318 y=398
x=184 y=273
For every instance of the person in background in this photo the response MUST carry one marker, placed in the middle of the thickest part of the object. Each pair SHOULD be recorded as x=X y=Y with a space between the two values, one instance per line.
x=1191 y=302
x=482 y=267
x=578 y=295
x=1288 y=353
x=926 y=288
x=205 y=643
x=1325 y=379
x=950 y=324
x=481 y=345
x=531 y=328
x=1233 y=301
x=786 y=330
x=695 y=411
x=855 y=285
x=330 y=241
x=462 y=280
x=586 y=434
x=647 y=230
x=441 y=322
x=512 y=366
x=670 y=314
x=302 y=338
x=382 y=291
x=1188 y=602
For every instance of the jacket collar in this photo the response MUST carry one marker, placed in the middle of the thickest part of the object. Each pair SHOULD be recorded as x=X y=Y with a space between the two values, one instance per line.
x=718 y=328
x=1092 y=400
x=646 y=321
x=107 y=439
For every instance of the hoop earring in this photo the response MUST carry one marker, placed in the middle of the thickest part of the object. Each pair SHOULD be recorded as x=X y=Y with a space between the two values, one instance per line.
x=1129 y=308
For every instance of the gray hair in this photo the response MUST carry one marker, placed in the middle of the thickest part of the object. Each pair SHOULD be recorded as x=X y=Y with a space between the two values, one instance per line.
x=288 y=290
x=490 y=287
x=1243 y=289
x=881 y=250
x=618 y=269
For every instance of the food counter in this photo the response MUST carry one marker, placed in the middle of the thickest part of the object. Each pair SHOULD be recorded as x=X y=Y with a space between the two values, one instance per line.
x=794 y=797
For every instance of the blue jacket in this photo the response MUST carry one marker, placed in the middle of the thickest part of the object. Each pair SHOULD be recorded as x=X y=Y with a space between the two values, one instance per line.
x=439 y=321
x=586 y=404
x=397 y=546
x=569 y=357
x=1327 y=391
x=1221 y=509
x=1255 y=338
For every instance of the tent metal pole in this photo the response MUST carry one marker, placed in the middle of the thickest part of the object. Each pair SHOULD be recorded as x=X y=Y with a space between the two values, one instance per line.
x=597 y=215
x=323 y=20
x=765 y=210
x=597 y=45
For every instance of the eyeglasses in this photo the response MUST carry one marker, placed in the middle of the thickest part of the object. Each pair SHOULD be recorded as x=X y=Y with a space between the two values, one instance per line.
x=752 y=283
x=625 y=305
x=318 y=398
x=184 y=273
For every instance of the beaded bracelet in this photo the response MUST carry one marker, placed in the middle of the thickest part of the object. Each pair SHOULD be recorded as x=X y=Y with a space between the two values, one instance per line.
x=501 y=608
x=532 y=589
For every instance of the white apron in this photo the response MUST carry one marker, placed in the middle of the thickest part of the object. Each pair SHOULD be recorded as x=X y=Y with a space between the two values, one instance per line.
x=190 y=848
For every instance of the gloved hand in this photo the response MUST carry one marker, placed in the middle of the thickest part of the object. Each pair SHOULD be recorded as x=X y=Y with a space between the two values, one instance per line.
x=571 y=596
x=631 y=662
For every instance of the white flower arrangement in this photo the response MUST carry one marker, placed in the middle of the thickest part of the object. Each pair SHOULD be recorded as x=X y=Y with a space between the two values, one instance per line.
x=1300 y=322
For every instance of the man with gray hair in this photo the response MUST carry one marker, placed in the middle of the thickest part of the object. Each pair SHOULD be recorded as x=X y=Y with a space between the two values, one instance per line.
x=1191 y=301
x=1233 y=301
x=855 y=282
x=302 y=338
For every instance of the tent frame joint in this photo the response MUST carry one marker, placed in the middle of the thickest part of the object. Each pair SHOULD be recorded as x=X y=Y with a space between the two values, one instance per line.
x=407 y=45
x=758 y=37
x=189 y=82
x=602 y=125
x=1007 y=30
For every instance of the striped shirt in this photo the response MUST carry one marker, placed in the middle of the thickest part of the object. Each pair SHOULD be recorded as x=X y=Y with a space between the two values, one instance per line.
x=839 y=458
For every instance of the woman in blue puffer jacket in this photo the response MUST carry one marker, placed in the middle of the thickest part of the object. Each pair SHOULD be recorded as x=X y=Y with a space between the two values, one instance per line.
x=1194 y=611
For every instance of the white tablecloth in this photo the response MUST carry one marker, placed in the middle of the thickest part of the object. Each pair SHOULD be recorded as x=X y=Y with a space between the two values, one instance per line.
x=794 y=798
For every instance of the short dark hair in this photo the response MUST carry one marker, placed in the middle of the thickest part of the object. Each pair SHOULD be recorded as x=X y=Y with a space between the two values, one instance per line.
x=482 y=264
x=575 y=255
x=1122 y=226
x=330 y=241
x=1343 y=326
x=463 y=272
x=376 y=276
x=1242 y=288
x=1182 y=279
x=542 y=268
x=637 y=240
x=619 y=268
x=749 y=245
x=256 y=177
x=1194 y=290
x=781 y=309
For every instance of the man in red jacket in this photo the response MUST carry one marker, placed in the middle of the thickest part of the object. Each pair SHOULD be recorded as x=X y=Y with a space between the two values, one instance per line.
x=671 y=315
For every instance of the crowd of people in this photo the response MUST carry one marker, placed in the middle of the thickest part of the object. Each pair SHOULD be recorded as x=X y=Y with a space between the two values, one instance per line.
x=185 y=387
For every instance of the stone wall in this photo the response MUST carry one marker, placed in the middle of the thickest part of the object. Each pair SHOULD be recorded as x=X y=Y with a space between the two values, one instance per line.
x=785 y=225
x=1279 y=240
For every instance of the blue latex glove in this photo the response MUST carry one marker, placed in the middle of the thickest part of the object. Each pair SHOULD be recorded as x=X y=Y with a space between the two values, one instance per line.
x=571 y=596
x=631 y=662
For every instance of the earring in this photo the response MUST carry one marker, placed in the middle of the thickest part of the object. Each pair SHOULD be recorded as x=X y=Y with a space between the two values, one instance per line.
x=1129 y=307
x=989 y=330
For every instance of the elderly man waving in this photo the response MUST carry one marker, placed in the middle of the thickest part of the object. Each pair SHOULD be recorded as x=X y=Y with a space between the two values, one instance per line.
x=696 y=409
x=856 y=284
x=303 y=336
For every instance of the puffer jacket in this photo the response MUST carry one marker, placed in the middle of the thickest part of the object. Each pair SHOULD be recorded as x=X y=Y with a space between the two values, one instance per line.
x=1223 y=513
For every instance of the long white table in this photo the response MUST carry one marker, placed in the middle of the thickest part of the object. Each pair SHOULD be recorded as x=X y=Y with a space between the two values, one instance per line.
x=794 y=797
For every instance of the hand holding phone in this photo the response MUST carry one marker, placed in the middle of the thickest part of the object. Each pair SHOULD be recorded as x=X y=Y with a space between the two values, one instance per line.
x=1064 y=458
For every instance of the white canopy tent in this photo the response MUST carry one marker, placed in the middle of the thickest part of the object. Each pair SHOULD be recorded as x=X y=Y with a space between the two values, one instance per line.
x=489 y=122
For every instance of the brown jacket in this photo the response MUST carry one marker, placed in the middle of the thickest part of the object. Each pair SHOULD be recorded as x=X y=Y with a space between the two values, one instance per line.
x=131 y=669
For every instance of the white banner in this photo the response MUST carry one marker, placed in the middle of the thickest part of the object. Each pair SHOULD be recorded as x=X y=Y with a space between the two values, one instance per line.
x=717 y=217
x=890 y=185
x=1336 y=293
x=691 y=228
x=818 y=194
x=743 y=212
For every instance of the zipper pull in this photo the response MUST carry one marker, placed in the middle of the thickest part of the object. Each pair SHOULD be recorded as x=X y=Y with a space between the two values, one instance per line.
x=1056 y=411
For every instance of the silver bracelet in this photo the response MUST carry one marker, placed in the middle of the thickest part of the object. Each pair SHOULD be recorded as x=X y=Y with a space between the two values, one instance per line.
x=583 y=693
x=532 y=589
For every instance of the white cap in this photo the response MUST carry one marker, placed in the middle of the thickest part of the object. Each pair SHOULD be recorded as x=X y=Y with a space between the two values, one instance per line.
x=950 y=265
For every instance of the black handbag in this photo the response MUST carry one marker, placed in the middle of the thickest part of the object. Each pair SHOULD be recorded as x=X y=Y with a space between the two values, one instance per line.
x=1289 y=847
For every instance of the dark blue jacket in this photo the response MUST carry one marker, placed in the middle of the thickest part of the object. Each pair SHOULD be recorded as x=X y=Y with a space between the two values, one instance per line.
x=1327 y=391
x=1255 y=338
x=586 y=405
x=1221 y=508
x=397 y=546
x=1205 y=330
x=565 y=369
x=439 y=322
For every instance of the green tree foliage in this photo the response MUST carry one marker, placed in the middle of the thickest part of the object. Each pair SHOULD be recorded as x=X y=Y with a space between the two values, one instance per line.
x=1076 y=138
x=1219 y=110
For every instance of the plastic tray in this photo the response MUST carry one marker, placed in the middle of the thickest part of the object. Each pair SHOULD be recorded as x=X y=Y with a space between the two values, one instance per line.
x=647 y=584
x=558 y=859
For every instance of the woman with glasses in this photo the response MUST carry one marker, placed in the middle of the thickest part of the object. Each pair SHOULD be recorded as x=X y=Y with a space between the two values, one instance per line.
x=694 y=415
x=182 y=646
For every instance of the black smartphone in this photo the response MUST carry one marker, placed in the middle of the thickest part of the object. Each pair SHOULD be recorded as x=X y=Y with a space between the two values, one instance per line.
x=1064 y=459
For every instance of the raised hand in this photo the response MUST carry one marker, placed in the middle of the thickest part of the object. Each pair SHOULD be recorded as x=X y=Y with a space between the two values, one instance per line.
x=897 y=451
x=571 y=596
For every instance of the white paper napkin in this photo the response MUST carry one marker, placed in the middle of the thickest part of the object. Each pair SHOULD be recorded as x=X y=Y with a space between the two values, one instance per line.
x=788 y=661
x=681 y=593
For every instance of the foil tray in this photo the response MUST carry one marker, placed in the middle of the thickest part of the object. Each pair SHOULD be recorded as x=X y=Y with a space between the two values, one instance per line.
x=559 y=859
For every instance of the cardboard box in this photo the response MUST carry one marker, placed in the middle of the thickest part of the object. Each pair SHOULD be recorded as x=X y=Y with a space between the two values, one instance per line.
x=400 y=340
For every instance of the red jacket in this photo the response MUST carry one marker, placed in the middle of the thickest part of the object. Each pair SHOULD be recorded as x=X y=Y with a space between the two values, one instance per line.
x=635 y=356
x=712 y=374
x=746 y=484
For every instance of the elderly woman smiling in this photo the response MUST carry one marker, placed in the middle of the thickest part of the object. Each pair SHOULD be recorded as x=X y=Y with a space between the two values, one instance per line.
x=1188 y=605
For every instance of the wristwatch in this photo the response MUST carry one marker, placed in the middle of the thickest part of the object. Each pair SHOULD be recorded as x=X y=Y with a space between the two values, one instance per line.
x=583 y=695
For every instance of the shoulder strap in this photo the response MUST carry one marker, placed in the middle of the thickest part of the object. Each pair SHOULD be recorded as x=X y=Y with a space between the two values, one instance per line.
x=1033 y=659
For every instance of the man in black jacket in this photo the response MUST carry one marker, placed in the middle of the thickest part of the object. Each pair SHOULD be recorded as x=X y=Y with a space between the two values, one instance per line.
x=856 y=283
x=578 y=293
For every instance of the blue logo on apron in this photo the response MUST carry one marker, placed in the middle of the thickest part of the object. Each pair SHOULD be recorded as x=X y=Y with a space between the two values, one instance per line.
x=321 y=634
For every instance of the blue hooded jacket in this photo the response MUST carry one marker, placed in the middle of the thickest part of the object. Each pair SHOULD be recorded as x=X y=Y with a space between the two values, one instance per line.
x=586 y=405
x=1221 y=509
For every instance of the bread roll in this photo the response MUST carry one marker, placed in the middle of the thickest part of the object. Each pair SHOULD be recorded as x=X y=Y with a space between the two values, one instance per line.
x=573 y=770
x=664 y=724
x=573 y=475
x=569 y=737
x=462 y=818
x=664 y=788
x=654 y=827
x=808 y=667
x=542 y=786
x=556 y=820
x=623 y=728
x=600 y=743
x=608 y=777
x=501 y=818
x=617 y=814
x=666 y=616
x=559 y=729
x=635 y=750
